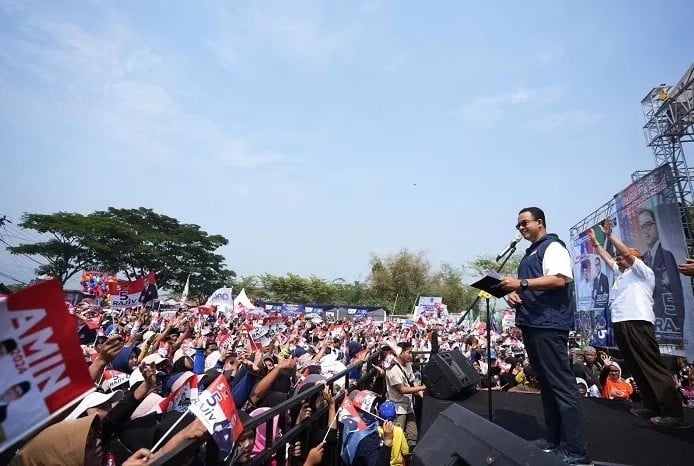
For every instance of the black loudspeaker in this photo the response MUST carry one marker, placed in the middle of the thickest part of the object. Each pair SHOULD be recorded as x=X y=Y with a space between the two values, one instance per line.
x=459 y=437
x=449 y=374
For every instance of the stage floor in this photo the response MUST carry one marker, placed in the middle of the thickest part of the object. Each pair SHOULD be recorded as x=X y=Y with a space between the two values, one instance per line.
x=613 y=435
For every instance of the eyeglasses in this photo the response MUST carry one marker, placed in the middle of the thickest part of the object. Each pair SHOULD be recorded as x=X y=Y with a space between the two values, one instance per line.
x=614 y=371
x=524 y=224
x=647 y=226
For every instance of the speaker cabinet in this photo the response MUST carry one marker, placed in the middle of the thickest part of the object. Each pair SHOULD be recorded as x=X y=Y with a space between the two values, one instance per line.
x=459 y=437
x=449 y=374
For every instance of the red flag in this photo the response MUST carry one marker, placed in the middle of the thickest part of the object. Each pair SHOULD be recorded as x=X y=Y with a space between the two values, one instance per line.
x=216 y=409
x=46 y=366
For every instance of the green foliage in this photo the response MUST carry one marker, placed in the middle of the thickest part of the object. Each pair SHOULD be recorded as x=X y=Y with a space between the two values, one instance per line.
x=136 y=241
x=482 y=265
x=66 y=249
x=130 y=241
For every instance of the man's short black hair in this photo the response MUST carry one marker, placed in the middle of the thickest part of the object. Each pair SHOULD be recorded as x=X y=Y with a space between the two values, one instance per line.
x=405 y=346
x=536 y=212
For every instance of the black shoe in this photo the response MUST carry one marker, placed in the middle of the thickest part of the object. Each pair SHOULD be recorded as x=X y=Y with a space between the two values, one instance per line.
x=544 y=445
x=643 y=413
x=670 y=422
x=576 y=459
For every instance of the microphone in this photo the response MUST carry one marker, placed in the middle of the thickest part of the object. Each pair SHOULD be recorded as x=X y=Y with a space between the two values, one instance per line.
x=509 y=247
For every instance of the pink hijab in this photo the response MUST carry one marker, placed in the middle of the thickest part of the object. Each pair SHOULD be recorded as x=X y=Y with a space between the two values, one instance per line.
x=260 y=437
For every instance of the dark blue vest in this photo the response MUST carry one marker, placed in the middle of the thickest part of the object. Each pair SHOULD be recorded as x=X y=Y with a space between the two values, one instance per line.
x=543 y=309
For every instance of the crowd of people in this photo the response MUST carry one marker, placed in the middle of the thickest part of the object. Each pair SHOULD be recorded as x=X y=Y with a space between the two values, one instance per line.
x=148 y=367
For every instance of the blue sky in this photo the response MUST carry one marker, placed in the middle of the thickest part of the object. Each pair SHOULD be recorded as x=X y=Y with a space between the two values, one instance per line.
x=313 y=134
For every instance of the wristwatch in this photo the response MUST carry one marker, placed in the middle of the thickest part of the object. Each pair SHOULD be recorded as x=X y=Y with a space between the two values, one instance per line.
x=524 y=284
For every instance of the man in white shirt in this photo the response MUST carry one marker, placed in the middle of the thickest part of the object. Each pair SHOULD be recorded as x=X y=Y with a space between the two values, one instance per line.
x=634 y=331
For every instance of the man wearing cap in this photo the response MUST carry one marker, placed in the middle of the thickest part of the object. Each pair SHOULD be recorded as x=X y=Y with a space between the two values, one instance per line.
x=634 y=319
x=589 y=369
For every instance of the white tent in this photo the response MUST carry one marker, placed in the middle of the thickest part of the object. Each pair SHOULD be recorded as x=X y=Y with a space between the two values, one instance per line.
x=243 y=300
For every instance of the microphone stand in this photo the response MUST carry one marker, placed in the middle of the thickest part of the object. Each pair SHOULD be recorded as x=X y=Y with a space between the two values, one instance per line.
x=487 y=296
x=510 y=252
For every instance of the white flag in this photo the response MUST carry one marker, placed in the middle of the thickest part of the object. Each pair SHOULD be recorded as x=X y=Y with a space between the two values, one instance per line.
x=184 y=295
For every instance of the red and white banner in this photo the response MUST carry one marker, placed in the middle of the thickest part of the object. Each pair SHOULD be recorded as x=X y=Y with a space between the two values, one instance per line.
x=127 y=293
x=41 y=361
x=217 y=411
x=184 y=392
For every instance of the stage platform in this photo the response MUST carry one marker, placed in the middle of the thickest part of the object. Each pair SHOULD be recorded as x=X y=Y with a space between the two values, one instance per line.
x=614 y=436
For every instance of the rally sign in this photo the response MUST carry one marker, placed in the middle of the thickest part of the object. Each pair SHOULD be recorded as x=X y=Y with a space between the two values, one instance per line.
x=216 y=409
x=113 y=379
x=182 y=396
x=128 y=293
x=260 y=336
x=41 y=361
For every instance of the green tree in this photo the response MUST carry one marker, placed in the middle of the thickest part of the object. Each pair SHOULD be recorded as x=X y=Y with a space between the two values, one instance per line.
x=482 y=265
x=66 y=249
x=405 y=274
x=130 y=241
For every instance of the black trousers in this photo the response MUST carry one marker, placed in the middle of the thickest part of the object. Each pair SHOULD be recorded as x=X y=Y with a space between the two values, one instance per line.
x=636 y=341
x=561 y=403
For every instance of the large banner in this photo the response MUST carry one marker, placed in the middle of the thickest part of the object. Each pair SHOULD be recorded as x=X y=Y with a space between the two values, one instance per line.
x=133 y=293
x=593 y=280
x=41 y=362
x=646 y=217
x=649 y=218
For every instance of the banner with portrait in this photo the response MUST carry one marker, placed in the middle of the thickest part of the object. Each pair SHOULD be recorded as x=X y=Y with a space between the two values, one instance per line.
x=593 y=280
x=649 y=218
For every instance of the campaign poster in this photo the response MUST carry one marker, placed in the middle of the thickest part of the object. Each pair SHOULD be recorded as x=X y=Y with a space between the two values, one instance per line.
x=428 y=306
x=133 y=293
x=593 y=281
x=649 y=218
x=41 y=361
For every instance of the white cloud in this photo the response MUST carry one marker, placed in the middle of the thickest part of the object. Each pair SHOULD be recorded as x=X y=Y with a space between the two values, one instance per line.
x=490 y=109
x=294 y=33
x=113 y=85
x=537 y=108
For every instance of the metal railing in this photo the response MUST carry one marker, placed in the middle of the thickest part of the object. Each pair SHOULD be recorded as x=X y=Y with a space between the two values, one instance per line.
x=276 y=448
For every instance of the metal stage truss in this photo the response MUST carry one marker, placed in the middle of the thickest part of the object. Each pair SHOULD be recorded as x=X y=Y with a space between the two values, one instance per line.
x=669 y=115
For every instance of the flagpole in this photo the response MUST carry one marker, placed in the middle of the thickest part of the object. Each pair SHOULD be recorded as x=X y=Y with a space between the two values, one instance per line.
x=395 y=304
x=166 y=434
x=330 y=426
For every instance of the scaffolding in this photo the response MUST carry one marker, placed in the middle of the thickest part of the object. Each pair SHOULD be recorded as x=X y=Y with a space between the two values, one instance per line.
x=669 y=115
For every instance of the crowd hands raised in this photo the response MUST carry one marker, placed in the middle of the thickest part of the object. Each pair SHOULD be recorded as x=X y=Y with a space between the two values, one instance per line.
x=147 y=368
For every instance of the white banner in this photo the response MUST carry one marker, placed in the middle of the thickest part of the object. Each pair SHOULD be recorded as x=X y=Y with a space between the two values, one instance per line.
x=222 y=298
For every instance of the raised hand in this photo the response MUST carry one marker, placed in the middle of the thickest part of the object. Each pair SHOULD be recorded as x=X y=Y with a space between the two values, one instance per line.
x=315 y=455
x=388 y=428
x=606 y=226
x=110 y=349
